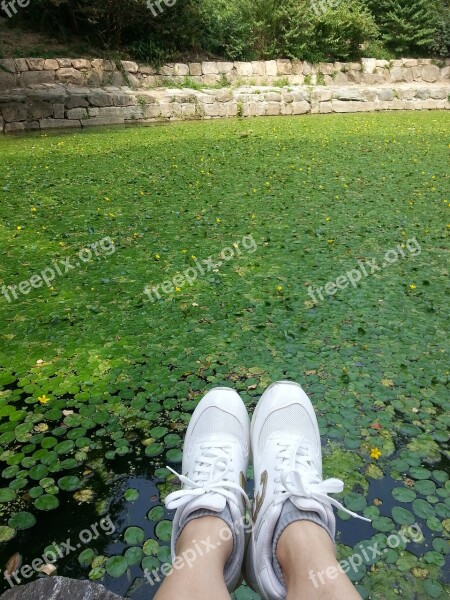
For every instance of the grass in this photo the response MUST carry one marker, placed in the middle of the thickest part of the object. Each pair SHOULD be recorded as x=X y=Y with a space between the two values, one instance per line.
x=320 y=196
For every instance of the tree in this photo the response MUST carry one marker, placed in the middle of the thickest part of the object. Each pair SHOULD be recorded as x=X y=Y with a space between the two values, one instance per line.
x=407 y=26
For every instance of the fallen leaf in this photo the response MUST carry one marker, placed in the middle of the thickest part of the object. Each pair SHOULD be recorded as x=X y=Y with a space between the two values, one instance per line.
x=48 y=569
x=13 y=564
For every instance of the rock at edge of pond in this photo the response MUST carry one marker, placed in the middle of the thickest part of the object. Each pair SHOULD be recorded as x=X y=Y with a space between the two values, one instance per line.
x=59 y=588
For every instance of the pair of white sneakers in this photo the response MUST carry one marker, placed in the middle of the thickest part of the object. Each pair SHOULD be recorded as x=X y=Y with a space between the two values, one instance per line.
x=284 y=441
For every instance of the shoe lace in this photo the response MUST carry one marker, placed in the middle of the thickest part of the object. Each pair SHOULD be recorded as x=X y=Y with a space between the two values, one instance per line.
x=212 y=474
x=303 y=480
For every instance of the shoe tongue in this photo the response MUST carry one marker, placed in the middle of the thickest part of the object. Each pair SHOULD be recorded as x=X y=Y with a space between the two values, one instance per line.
x=209 y=501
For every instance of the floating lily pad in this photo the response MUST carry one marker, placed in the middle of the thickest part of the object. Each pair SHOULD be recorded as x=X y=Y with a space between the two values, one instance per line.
x=383 y=524
x=164 y=555
x=158 y=432
x=402 y=516
x=423 y=509
x=156 y=513
x=64 y=447
x=69 y=483
x=426 y=487
x=46 y=502
x=6 y=533
x=403 y=494
x=163 y=530
x=150 y=563
x=131 y=495
x=38 y=472
x=97 y=574
x=151 y=547
x=86 y=557
x=154 y=449
x=36 y=491
x=355 y=502
x=174 y=455
x=116 y=566
x=7 y=494
x=433 y=588
x=134 y=536
x=22 y=520
x=133 y=555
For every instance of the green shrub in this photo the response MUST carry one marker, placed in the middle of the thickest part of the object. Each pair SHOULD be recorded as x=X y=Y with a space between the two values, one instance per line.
x=408 y=27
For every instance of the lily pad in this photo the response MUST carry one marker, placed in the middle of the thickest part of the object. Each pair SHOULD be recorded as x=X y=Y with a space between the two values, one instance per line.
x=97 y=573
x=134 y=536
x=163 y=530
x=6 y=533
x=22 y=520
x=402 y=516
x=151 y=547
x=131 y=495
x=383 y=524
x=423 y=509
x=156 y=513
x=150 y=563
x=116 y=566
x=46 y=502
x=403 y=494
x=133 y=555
x=7 y=494
x=355 y=502
x=433 y=588
x=86 y=557
x=69 y=483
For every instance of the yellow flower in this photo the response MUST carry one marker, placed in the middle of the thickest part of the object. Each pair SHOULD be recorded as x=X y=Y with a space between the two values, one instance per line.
x=157 y=256
x=330 y=241
x=19 y=228
x=193 y=257
x=184 y=251
x=279 y=288
x=33 y=209
x=106 y=199
x=43 y=399
x=177 y=289
x=253 y=216
x=375 y=453
x=328 y=219
x=112 y=215
x=412 y=286
x=217 y=220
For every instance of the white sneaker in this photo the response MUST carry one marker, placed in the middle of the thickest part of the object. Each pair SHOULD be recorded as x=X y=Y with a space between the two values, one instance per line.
x=215 y=459
x=287 y=461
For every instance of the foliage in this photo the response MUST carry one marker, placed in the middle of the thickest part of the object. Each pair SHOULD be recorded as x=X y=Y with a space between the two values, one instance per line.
x=118 y=376
x=441 y=42
x=249 y=29
x=407 y=26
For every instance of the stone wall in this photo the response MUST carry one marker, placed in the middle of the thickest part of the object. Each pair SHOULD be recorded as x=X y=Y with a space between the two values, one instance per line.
x=50 y=106
x=23 y=72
